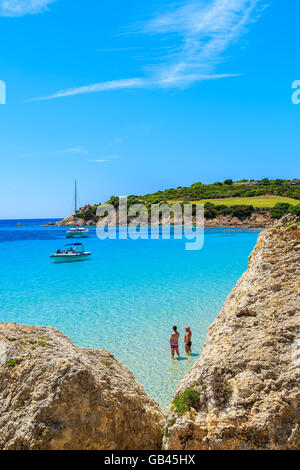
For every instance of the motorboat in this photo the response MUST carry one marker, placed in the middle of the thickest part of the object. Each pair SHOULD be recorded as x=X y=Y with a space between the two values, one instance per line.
x=72 y=252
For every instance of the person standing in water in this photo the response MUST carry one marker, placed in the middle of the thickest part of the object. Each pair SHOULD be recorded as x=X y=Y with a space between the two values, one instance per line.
x=174 y=342
x=187 y=340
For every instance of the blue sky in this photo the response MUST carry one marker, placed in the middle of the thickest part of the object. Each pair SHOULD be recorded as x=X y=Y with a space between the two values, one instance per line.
x=129 y=97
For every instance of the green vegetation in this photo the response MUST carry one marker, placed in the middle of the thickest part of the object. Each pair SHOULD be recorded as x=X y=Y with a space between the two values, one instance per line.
x=42 y=342
x=108 y=364
x=264 y=202
x=228 y=189
x=296 y=210
x=30 y=341
x=13 y=362
x=89 y=213
x=182 y=403
x=283 y=208
x=211 y=211
x=239 y=199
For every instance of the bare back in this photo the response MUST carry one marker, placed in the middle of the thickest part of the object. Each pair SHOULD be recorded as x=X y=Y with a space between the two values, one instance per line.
x=174 y=337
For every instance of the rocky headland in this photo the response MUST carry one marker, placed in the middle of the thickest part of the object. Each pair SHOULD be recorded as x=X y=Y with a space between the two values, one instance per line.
x=256 y=220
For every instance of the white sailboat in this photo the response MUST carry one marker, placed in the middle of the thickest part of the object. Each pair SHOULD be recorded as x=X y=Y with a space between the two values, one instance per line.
x=77 y=231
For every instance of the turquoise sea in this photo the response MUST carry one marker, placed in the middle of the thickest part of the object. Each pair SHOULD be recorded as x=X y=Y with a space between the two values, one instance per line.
x=127 y=297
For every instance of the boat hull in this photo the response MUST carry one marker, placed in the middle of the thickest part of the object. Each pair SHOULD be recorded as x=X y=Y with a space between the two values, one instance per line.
x=77 y=235
x=72 y=258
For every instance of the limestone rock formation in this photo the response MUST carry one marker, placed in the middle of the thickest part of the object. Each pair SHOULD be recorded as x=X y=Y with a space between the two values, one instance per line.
x=256 y=220
x=70 y=222
x=54 y=395
x=244 y=391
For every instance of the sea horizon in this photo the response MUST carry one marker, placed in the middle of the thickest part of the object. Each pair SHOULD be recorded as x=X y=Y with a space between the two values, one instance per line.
x=36 y=219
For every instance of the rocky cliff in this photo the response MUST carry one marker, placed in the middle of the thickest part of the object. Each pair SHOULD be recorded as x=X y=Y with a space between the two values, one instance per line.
x=70 y=222
x=54 y=395
x=256 y=220
x=244 y=391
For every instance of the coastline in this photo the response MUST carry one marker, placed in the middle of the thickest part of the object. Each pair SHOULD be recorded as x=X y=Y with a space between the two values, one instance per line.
x=256 y=221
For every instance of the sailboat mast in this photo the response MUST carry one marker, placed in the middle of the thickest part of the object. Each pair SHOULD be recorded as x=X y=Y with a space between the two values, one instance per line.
x=75 y=203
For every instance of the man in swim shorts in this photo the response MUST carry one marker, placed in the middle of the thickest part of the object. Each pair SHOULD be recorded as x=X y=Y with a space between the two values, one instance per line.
x=174 y=342
x=187 y=340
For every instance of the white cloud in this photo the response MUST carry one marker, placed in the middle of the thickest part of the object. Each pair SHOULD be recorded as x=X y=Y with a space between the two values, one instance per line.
x=202 y=31
x=134 y=83
x=23 y=7
x=68 y=151
x=103 y=86
x=105 y=159
x=73 y=150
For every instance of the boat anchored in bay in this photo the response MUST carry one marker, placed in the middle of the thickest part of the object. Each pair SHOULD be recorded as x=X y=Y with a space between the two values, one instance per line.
x=72 y=252
x=77 y=231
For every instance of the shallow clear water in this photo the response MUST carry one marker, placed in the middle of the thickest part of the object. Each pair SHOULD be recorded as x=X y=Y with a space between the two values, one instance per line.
x=127 y=297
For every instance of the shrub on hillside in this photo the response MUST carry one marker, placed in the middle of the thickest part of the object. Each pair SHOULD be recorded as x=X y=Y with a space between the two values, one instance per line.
x=280 y=209
x=89 y=214
x=295 y=210
x=223 y=210
x=241 y=211
x=114 y=200
x=210 y=212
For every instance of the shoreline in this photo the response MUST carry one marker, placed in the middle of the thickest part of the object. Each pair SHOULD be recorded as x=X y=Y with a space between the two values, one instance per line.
x=255 y=221
x=261 y=227
x=243 y=225
x=167 y=226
